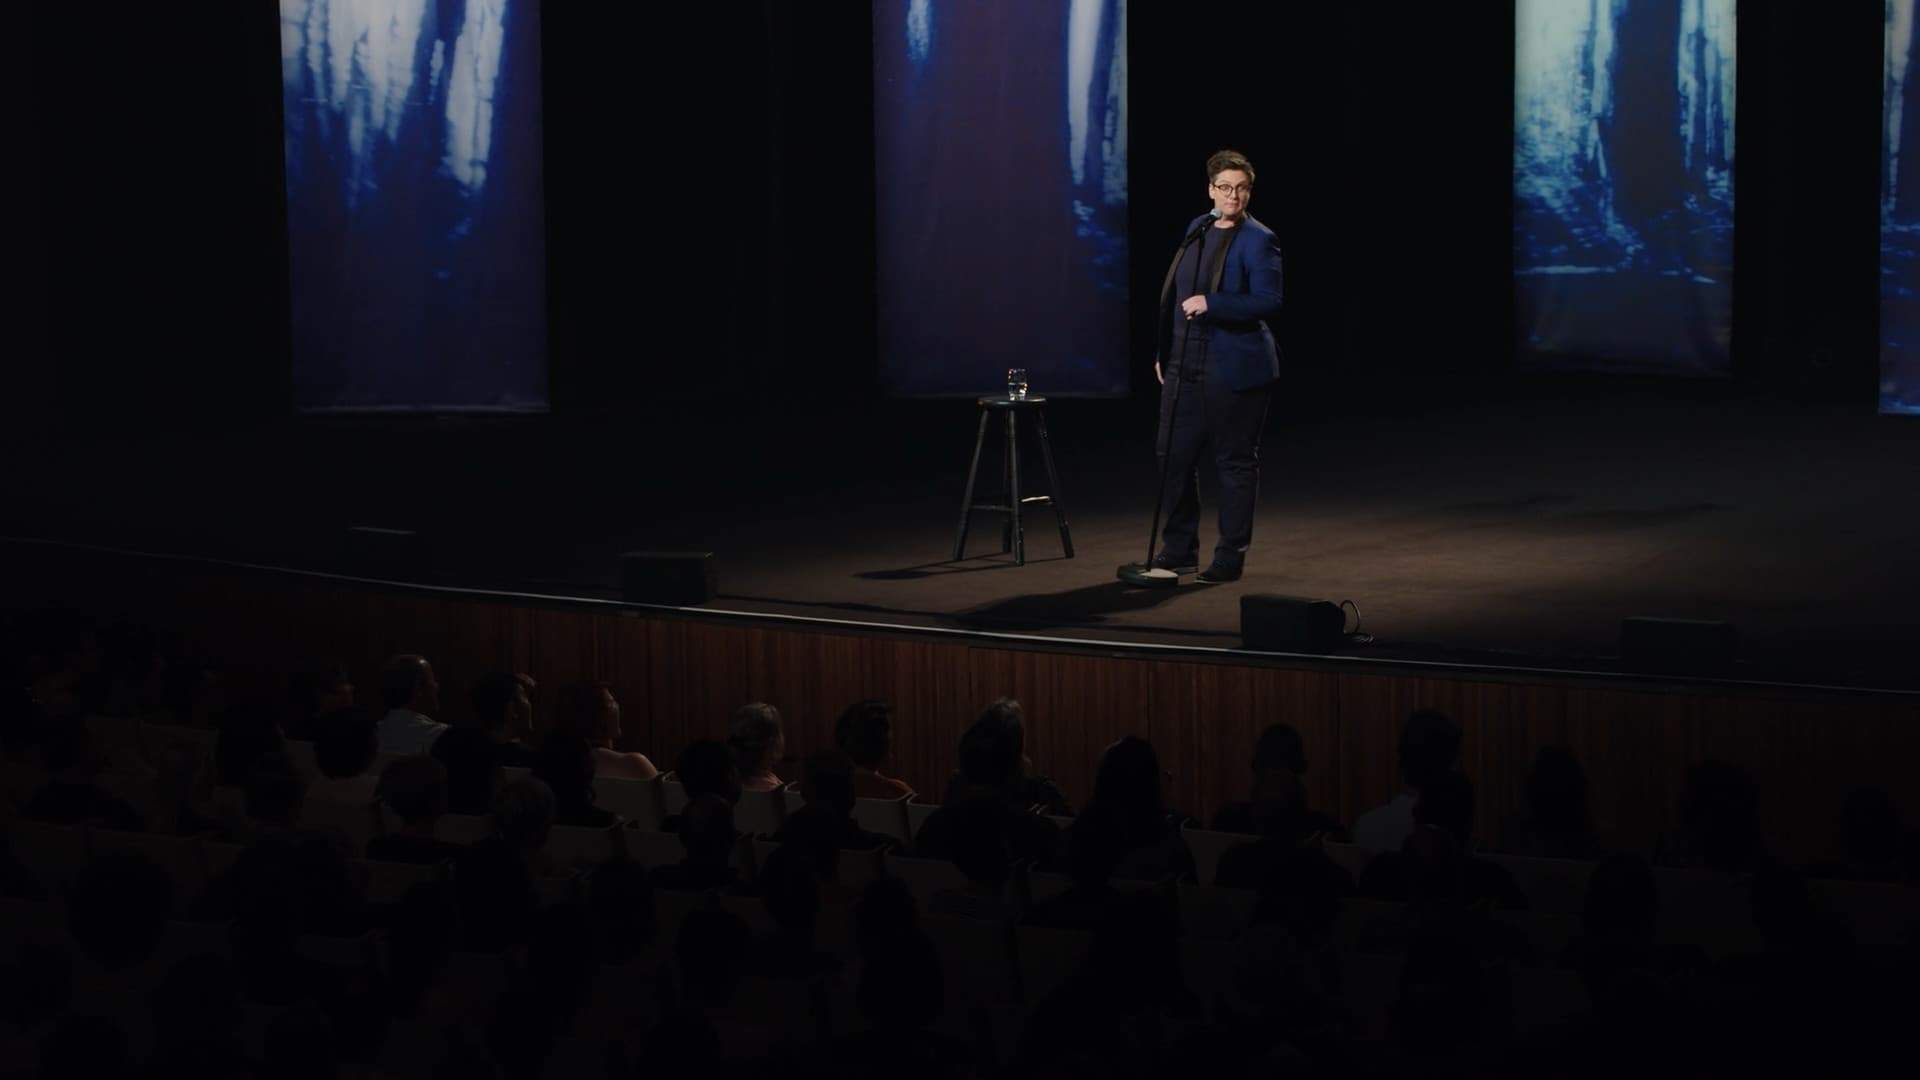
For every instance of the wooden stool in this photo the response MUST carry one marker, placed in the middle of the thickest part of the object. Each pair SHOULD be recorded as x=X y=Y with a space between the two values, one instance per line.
x=1013 y=536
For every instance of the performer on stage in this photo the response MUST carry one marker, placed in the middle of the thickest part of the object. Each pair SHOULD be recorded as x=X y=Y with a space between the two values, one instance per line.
x=1216 y=361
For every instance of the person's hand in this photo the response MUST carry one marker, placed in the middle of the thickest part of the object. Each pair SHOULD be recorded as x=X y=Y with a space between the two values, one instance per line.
x=1159 y=378
x=1194 y=306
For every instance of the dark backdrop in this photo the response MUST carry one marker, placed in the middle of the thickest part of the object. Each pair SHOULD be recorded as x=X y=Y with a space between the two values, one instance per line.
x=710 y=179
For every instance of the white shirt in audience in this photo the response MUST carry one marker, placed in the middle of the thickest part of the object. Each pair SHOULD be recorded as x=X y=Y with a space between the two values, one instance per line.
x=404 y=731
x=1385 y=828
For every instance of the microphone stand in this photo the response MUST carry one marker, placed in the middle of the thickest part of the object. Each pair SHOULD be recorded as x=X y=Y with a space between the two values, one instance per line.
x=1144 y=573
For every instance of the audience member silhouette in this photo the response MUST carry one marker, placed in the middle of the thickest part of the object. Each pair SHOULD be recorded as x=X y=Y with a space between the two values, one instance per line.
x=1434 y=863
x=1276 y=803
x=1873 y=842
x=117 y=910
x=758 y=744
x=1429 y=748
x=494 y=879
x=706 y=767
x=71 y=794
x=707 y=834
x=344 y=753
x=1095 y=846
x=790 y=888
x=566 y=764
x=590 y=711
x=414 y=788
x=993 y=760
x=473 y=772
x=976 y=831
x=504 y=712
x=1555 y=823
x=1719 y=821
x=244 y=736
x=825 y=824
x=313 y=694
x=411 y=695
x=1131 y=785
x=865 y=734
x=620 y=902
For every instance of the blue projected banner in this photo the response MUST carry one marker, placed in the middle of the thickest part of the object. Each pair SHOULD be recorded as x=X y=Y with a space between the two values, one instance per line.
x=1623 y=184
x=1000 y=142
x=415 y=214
x=1900 y=217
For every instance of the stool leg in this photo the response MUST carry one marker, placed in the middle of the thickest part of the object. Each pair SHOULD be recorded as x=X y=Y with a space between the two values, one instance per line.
x=1013 y=488
x=1053 y=482
x=966 y=498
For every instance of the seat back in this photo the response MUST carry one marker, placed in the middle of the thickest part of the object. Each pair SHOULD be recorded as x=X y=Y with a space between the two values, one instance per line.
x=888 y=817
x=924 y=877
x=1549 y=884
x=1349 y=857
x=917 y=815
x=639 y=801
x=1207 y=846
x=356 y=821
x=571 y=847
x=760 y=813
x=389 y=882
x=652 y=848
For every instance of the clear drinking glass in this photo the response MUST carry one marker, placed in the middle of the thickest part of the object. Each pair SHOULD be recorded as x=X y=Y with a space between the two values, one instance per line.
x=1017 y=384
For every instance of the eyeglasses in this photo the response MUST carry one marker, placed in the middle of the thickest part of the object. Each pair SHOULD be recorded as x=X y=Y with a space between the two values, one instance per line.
x=1242 y=190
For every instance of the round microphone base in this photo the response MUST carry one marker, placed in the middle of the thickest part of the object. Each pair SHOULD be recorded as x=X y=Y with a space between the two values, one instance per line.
x=1143 y=576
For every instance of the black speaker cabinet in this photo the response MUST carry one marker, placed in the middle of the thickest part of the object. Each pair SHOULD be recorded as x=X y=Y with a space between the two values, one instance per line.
x=1290 y=624
x=680 y=578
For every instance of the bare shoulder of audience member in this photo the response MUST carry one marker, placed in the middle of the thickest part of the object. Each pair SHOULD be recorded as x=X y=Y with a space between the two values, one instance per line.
x=591 y=712
x=864 y=733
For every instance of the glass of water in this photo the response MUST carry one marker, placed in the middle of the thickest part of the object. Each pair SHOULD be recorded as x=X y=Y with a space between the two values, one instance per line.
x=1017 y=384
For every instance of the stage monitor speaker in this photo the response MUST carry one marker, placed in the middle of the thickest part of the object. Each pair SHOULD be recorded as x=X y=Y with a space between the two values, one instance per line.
x=680 y=578
x=1290 y=624
x=1678 y=644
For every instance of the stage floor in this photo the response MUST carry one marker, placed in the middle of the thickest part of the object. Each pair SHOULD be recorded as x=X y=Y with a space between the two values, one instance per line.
x=1512 y=531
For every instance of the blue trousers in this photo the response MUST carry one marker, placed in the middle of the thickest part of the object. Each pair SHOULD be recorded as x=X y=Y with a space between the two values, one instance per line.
x=1210 y=419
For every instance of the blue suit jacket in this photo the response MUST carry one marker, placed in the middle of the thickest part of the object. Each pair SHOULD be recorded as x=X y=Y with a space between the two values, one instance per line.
x=1242 y=299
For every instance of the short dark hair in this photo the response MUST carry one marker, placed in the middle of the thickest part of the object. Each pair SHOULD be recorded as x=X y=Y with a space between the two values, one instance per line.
x=491 y=696
x=706 y=767
x=273 y=791
x=828 y=780
x=990 y=750
x=1429 y=747
x=346 y=744
x=400 y=678
x=1222 y=160
x=865 y=732
x=1279 y=747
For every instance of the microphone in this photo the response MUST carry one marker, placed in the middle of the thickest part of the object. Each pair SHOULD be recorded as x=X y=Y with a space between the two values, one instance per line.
x=1206 y=222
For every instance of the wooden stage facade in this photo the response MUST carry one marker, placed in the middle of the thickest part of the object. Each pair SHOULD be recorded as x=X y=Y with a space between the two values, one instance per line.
x=678 y=673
